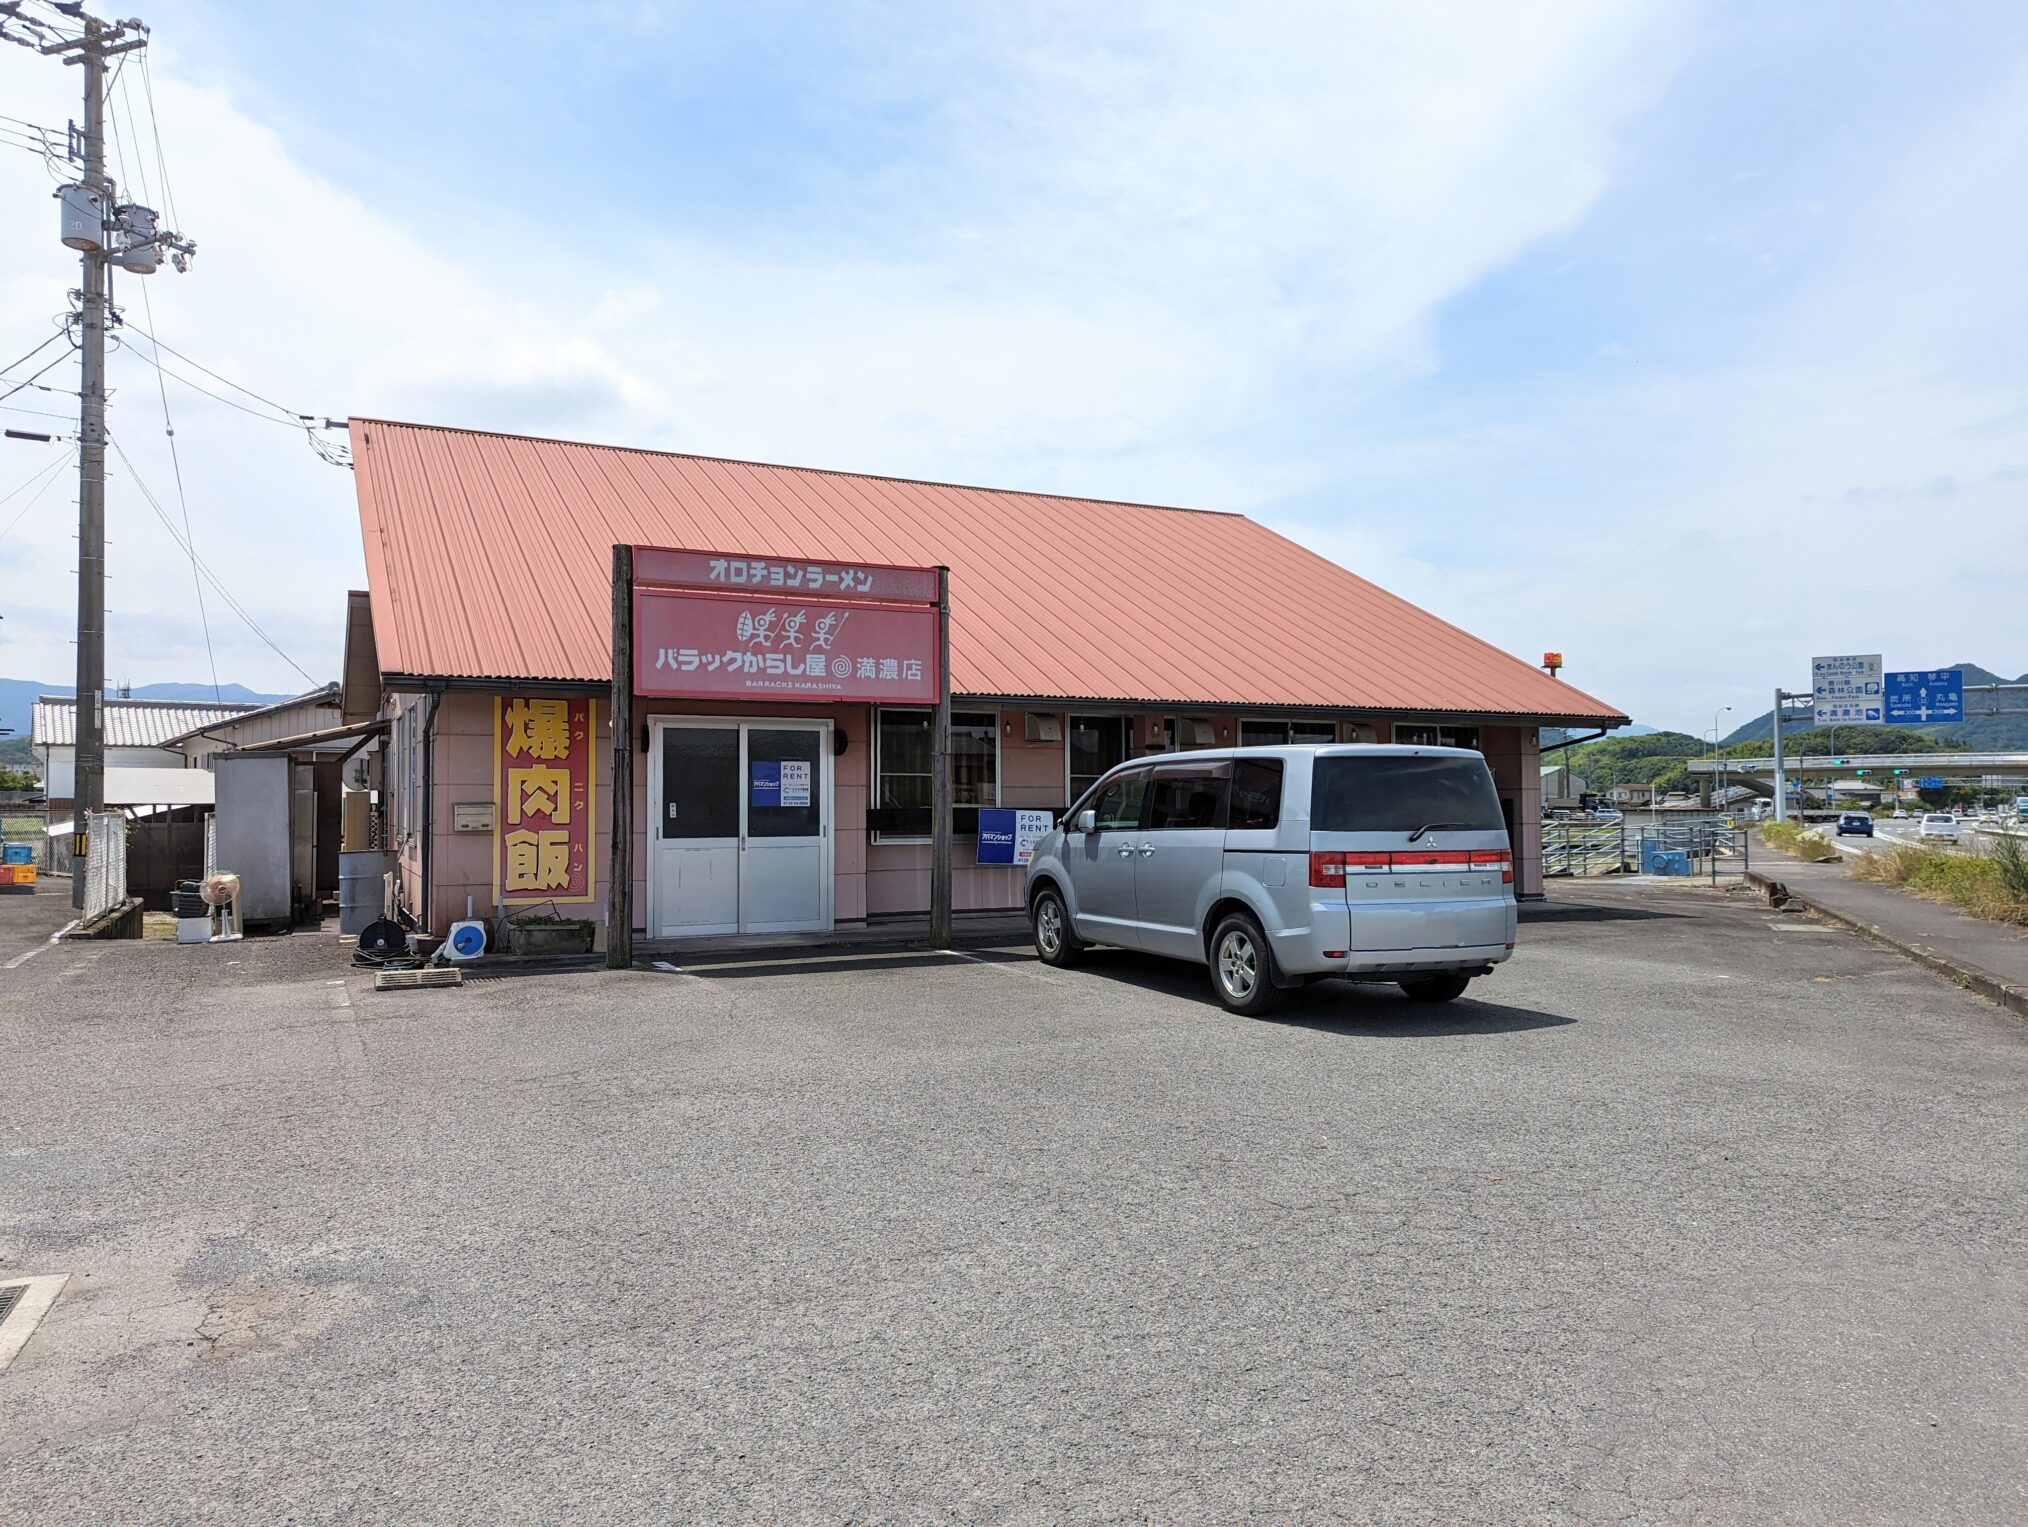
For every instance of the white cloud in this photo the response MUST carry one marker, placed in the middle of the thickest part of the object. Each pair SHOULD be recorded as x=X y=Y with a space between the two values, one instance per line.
x=1127 y=245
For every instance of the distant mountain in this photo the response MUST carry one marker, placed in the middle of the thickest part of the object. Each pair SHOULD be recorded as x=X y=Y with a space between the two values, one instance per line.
x=1553 y=734
x=17 y=697
x=1978 y=734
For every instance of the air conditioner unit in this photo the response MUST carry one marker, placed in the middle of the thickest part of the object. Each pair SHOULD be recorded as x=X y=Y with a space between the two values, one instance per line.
x=1044 y=727
x=1196 y=734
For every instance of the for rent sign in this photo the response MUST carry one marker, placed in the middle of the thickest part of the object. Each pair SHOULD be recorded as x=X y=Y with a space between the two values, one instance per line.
x=713 y=626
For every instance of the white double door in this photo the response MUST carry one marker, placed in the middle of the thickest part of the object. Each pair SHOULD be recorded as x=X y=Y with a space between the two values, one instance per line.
x=739 y=830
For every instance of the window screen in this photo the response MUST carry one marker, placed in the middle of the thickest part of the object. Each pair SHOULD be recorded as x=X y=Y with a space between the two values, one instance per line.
x=1256 y=793
x=904 y=750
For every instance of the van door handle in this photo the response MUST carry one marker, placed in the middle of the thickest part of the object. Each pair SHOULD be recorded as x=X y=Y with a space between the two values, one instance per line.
x=1127 y=851
x=1147 y=849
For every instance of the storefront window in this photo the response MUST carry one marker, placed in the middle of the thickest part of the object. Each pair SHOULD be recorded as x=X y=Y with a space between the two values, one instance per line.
x=1257 y=733
x=1096 y=744
x=904 y=751
x=1423 y=736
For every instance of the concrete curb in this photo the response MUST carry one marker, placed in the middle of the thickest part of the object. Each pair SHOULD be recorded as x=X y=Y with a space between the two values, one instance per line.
x=2013 y=998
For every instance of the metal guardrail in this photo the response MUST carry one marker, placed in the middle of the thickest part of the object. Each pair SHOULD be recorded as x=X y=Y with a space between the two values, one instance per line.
x=1614 y=848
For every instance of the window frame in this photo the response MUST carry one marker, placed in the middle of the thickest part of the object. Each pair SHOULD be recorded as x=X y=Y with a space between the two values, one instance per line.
x=873 y=781
x=1288 y=724
x=1438 y=738
x=1070 y=719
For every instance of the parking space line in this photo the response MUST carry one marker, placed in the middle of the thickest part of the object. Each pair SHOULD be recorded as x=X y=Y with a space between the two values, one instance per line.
x=1001 y=965
x=22 y=959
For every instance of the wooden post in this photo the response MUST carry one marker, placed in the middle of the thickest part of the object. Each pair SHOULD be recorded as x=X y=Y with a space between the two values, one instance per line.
x=620 y=874
x=940 y=775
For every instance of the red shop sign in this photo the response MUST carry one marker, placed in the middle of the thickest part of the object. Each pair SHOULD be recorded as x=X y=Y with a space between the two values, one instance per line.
x=785 y=577
x=781 y=645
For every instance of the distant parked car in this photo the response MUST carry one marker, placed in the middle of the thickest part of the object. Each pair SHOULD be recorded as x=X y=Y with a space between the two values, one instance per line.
x=1856 y=824
x=1939 y=824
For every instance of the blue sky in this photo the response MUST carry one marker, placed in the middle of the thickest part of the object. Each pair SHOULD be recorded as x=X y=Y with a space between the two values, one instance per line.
x=1686 y=338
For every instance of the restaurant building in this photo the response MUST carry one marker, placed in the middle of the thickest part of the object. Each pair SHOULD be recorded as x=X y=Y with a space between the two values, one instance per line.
x=1082 y=633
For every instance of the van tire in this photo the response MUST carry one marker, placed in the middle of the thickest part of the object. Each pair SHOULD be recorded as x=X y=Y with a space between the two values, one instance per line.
x=1056 y=943
x=1242 y=966
x=1436 y=988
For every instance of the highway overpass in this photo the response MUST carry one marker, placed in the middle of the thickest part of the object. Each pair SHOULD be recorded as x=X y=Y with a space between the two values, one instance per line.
x=1872 y=765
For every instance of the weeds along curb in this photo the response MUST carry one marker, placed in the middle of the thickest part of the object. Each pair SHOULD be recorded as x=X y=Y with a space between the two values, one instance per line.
x=2013 y=998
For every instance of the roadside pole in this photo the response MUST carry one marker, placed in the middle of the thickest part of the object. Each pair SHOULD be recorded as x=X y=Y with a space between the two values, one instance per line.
x=1781 y=790
x=940 y=775
x=620 y=871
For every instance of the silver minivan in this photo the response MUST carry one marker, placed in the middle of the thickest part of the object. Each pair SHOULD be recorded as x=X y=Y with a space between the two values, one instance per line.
x=1278 y=866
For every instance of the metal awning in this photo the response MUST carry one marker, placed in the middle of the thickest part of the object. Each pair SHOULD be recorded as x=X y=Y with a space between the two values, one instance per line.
x=343 y=741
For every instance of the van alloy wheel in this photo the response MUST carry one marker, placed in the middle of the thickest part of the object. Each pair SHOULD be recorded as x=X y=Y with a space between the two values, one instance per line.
x=1242 y=969
x=1056 y=941
x=1049 y=926
x=1238 y=964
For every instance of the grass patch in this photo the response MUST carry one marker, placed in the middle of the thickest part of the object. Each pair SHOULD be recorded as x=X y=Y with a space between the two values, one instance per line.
x=1994 y=887
x=1807 y=843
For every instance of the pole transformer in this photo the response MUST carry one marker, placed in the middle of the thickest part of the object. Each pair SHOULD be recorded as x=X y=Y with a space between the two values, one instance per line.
x=105 y=233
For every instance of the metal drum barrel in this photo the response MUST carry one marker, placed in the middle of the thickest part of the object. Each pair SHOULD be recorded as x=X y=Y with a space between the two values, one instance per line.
x=362 y=887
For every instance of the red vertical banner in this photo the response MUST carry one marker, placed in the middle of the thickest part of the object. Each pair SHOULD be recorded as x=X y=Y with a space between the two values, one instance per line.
x=543 y=800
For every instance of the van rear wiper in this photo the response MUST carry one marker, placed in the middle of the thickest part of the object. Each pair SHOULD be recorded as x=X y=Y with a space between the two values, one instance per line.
x=1433 y=826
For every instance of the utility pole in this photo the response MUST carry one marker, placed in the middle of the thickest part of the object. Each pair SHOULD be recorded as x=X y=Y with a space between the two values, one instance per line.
x=105 y=233
x=88 y=791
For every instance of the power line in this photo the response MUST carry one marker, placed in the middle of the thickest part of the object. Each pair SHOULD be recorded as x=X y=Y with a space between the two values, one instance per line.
x=199 y=563
x=176 y=461
x=155 y=127
x=48 y=474
x=23 y=386
x=59 y=334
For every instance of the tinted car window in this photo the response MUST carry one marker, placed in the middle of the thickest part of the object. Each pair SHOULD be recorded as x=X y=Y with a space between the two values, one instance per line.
x=1377 y=793
x=1119 y=804
x=1256 y=793
x=1185 y=798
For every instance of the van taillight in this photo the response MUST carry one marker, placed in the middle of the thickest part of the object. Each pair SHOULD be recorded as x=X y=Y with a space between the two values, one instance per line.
x=1500 y=859
x=1327 y=870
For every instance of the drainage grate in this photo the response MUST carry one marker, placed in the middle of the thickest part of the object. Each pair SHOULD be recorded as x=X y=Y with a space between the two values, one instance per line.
x=23 y=1303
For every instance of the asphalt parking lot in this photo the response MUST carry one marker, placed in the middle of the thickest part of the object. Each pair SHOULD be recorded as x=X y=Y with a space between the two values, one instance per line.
x=1703 y=1212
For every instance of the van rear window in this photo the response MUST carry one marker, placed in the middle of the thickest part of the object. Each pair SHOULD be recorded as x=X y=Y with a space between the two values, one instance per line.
x=1399 y=794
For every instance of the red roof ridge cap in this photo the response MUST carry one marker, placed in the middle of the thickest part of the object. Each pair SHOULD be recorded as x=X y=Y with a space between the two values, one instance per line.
x=786 y=466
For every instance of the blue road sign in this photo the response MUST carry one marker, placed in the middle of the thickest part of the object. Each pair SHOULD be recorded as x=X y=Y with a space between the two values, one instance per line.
x=1930 y=782
x=1924 y=697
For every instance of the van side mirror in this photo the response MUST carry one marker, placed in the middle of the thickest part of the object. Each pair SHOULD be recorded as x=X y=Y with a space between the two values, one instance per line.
x=1087 y=821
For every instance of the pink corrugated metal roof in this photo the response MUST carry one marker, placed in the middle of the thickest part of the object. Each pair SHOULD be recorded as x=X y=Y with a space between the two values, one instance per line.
x=490 y=556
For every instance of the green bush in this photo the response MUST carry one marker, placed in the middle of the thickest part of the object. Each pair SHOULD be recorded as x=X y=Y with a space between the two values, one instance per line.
x=1995 y=887
x=1793 y=838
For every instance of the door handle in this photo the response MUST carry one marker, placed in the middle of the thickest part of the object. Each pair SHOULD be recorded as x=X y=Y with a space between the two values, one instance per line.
x=1147 y=849
x=1127 y=852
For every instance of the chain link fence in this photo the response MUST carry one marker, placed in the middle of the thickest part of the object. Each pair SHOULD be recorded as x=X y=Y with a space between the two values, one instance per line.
x=105 y=878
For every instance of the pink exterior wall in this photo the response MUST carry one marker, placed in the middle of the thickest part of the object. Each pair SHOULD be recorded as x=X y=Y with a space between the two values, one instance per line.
x=1513 y=753
x=871 y=879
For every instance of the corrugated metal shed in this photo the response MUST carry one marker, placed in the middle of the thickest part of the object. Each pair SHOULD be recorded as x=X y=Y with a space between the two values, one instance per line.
x=264 y=723
x=490 y=556
x=129 y=723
